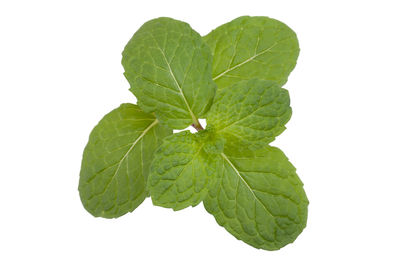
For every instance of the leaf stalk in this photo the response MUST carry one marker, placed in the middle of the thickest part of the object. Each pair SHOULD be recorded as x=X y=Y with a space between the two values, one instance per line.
x=197 y=126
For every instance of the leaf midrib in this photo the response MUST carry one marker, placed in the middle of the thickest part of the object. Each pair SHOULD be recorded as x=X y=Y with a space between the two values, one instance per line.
x=194 y=118
x=245 y=183
x=129 y=150
x=244 y=62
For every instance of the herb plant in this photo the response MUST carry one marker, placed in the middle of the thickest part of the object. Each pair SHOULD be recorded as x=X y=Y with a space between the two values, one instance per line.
x=233 y=78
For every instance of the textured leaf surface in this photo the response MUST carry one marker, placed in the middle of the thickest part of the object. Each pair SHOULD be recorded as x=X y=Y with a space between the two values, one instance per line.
x=169 y=69
x=116 y=161
x=259 y=199
x=250 y=114
x=252 y=47
x=181 y=172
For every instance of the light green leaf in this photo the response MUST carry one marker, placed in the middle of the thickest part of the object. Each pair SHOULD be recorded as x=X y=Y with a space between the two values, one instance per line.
x=250 y=114
x=252 y=47
x=259 y=198
x=169 y=69
x=182 y=171
x=117 y=159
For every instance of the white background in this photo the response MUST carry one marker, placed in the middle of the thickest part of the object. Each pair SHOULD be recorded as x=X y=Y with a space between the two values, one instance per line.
x=60 y=72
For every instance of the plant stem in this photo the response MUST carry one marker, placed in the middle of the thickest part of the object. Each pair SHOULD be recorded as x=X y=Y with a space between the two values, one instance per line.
x=197 y=126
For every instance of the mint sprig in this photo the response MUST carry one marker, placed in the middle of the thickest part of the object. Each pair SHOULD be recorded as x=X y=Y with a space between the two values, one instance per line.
x=233 y=78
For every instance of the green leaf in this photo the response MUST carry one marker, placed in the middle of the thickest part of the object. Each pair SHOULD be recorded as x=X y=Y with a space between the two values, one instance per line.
x=117 y=159
x=182 y=171
x=250 y=114
x=252 y=47
x=169 y=69
x=259 y=198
